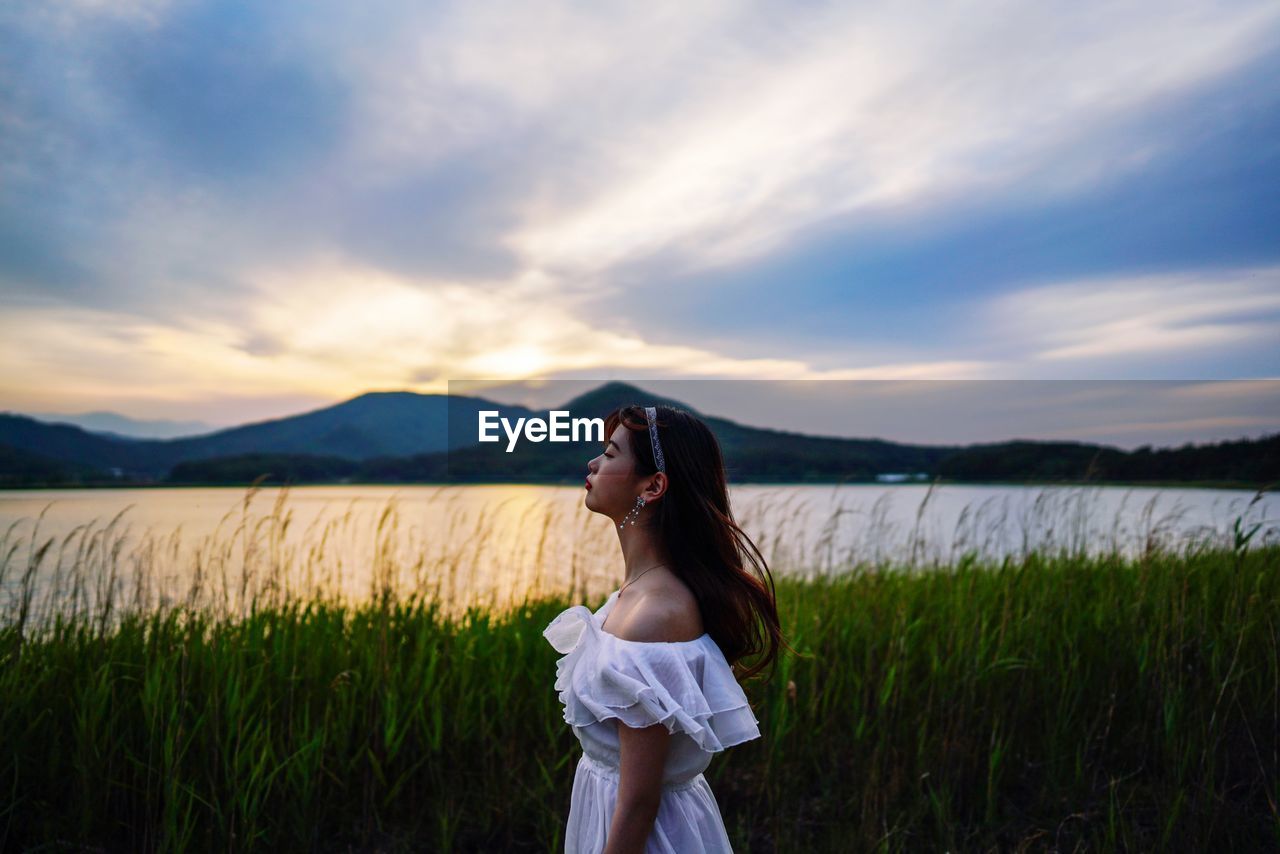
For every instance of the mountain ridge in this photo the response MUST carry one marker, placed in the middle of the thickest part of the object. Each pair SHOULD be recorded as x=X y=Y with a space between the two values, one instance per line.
x=405 y=437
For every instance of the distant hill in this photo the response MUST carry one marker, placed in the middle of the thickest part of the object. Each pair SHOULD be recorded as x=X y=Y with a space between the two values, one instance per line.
x=272 y=469
x=372 y=425
x=116 y=426
x=19 y=468
x=751 y=453
x=603 y=399
x=405 y=437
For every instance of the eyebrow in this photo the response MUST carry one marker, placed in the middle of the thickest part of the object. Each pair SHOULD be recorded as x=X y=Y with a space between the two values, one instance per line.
x=615 y=444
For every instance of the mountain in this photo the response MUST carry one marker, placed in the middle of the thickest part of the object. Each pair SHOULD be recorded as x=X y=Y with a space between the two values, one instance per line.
x=405 y=437
x=20 y=467
x=369 y=426
x=374 y=424
x=602 y=400
x=751 y=453
x=66 y=443
x=116 y=426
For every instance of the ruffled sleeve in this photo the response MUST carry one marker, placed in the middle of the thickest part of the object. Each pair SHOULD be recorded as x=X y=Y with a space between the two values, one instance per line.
x=688 y=687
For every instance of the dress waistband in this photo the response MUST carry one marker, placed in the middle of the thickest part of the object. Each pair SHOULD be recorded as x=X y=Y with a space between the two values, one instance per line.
x=611 y=772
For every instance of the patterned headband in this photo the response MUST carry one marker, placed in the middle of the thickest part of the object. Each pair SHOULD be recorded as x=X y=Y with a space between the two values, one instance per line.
x=651 y=413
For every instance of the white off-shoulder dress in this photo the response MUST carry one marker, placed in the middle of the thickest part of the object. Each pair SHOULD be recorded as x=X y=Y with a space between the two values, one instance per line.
x=686 y=685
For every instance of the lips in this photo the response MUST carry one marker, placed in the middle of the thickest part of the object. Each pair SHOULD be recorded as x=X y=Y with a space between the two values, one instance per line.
x=588 y=484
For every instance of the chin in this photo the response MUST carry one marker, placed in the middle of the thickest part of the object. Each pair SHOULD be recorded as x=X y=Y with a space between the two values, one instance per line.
x=590 y=503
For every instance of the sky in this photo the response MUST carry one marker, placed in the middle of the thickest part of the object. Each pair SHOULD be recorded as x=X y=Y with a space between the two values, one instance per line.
x=226 y=212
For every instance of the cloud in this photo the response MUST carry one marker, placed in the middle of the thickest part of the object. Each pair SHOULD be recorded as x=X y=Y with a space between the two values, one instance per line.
x=313 y=199
x=594 y=136
x=1227 y=389
x=1230 y=426
x=348 y=324
x=331 y=328
x=1111 y=317
x=873 y=111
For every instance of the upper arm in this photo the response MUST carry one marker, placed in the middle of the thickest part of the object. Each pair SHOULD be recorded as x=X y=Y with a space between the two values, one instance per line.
x=644 y=751
x=643 y=757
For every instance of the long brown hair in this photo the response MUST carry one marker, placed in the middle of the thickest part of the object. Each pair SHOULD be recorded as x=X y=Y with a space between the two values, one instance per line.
x=709 y=552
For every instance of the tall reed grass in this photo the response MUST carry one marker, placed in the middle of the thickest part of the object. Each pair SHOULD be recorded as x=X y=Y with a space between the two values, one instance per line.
x=1055 y=699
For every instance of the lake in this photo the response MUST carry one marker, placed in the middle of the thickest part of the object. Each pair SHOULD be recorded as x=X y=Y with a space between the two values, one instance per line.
x=493 y=545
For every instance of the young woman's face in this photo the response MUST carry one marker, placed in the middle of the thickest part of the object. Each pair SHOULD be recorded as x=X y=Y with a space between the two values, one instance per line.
x=611 y=484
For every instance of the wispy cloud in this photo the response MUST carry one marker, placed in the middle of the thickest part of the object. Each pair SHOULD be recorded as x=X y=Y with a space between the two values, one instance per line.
x=334 y=329
x=306 y=201
x=1161 y=313
x=872 y=110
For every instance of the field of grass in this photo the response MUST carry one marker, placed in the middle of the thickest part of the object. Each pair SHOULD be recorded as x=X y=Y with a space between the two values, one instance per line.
x=1051 y=701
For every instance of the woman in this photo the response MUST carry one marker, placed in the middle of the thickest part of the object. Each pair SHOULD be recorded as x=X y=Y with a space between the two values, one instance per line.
x=647 y=681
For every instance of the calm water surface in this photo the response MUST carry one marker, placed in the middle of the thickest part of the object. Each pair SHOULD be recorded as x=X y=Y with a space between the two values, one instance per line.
x=495 y=545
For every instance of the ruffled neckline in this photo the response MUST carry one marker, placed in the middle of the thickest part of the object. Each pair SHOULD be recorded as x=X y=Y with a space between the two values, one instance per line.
x=688 y=686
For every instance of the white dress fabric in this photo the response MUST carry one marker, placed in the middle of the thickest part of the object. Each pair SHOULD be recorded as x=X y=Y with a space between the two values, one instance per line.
x=686 y=685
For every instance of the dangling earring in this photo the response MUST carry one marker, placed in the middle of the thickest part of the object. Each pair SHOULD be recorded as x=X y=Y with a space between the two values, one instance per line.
x=631 y=516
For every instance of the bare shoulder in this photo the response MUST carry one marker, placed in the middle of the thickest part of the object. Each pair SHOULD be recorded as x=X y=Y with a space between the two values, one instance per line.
x=666 y=613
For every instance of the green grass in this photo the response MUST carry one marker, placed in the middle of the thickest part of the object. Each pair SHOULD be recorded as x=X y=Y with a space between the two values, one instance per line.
x=1044 y=702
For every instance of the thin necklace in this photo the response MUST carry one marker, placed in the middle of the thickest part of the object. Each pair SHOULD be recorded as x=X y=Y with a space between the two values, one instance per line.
x=637 y=578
